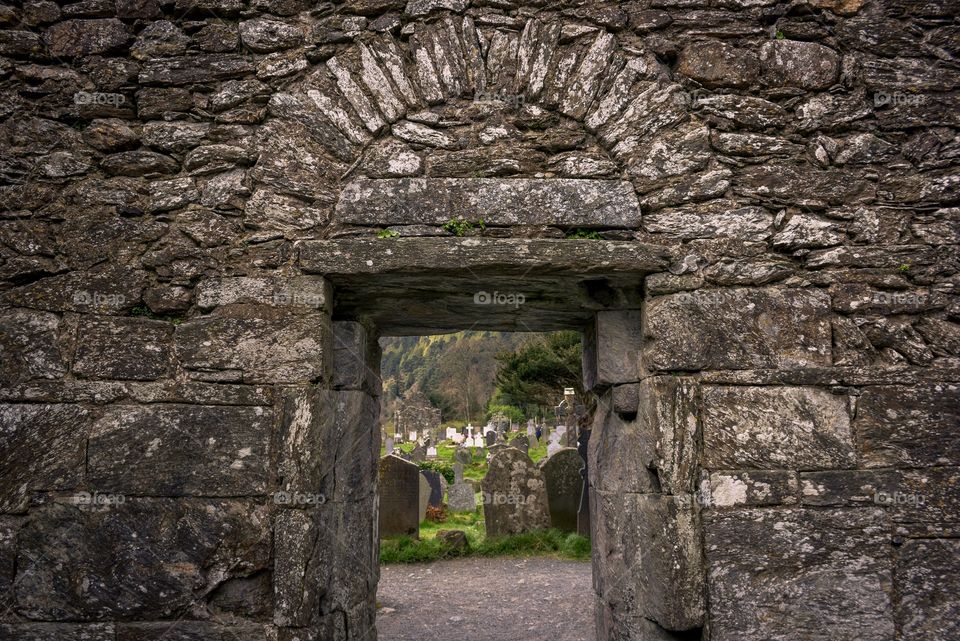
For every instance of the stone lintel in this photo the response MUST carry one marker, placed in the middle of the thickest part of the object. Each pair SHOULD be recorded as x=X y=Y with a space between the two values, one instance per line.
x=498 y=202
x=357 y=256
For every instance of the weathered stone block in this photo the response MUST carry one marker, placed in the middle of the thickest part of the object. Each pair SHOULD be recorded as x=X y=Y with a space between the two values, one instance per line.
x=307 y=441
x=750 y=489
x=264 y=35
x=909 y=426
x=356 y=358
x=193 y=69
x=295 y=586
x=927 y=502
x=122 y=349
x=737 y=328
x=775 y=428
x=184 y=630
x=928 y=580
x=139 y=559
x=9 y=527
x=716 y=64
x=110 y=291
x=377 y=256
x=517 y=201
x=357 y=430
x=668 y=410
x=42 y=447
x=626 y=399
x=793 y=63
x=347 y=550
x=611 y=349
x=648 y=558
x=257 y=345
x=28 y=346
x=847 y=487
x=621 y=452
x=785 y=574
x=172 y=450
x=85 y=37
x=313 y=292
x=58 y=632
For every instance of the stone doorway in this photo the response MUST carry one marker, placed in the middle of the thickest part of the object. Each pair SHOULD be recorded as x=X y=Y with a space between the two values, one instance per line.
x=647 y=553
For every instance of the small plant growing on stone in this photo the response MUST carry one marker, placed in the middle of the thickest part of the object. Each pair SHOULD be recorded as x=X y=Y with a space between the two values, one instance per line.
x=387 y=233
x=143 y=310
x=459 y=226
x=584 y=234
x=905 y=268
x=779 y=35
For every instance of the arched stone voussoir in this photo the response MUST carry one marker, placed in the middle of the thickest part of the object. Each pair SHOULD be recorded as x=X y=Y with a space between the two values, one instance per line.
x=467 y=74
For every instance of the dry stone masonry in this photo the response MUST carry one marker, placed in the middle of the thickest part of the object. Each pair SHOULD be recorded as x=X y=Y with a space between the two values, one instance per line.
x=212 y=208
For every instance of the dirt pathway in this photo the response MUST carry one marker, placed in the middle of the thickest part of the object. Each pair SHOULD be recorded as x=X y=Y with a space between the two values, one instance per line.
x=502 y=599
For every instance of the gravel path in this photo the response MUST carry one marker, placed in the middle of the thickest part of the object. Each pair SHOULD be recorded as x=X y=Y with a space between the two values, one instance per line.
x=501 y=599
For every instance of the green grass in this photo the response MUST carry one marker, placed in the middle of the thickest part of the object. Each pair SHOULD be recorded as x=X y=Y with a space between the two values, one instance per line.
x=553 y=543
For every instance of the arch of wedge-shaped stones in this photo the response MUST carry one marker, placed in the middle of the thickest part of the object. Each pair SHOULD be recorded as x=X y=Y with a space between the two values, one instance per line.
x=193 y=285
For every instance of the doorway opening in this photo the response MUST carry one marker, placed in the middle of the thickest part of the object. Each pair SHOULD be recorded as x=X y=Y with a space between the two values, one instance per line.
x=481 y=487
x=643 y=538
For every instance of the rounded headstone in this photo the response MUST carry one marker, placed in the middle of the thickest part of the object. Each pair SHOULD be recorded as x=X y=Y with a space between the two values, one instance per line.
x=561 y=472
x=514 y=494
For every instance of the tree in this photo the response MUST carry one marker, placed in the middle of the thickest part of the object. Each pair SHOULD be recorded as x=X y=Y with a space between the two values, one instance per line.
x=536 y=373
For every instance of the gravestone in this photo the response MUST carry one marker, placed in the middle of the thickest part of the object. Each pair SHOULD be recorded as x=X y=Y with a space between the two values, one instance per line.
x=437 y=487
x=431 y=452
x=424 y=495
x=460 y=495
x=556 y=440
x=389 y=446
x=418 y=454
x=521 y=442
x=463 y=456
x=452 y=432
x=413 y=437
x=399 y=509
x=514 y=494
x=561 y=472
x=490 y=438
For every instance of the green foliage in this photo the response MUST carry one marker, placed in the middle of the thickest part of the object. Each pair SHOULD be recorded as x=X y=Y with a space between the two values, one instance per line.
x=445 y=468
x=905 y=268
x=538 y=372
x=584 y=234
x=459 y=226
x=387 y=233
x=513 y=413
x=780 y=35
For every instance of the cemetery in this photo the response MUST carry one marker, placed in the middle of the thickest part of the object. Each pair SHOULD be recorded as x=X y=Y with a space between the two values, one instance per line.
x=263 y=262
x=471 y=499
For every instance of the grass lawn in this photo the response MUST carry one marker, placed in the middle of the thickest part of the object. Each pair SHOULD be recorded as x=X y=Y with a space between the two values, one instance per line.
x=554 y=543
x=428 y=548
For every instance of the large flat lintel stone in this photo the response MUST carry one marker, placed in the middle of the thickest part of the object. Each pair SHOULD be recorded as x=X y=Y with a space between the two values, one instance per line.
x=352 y=256
x=515 y=201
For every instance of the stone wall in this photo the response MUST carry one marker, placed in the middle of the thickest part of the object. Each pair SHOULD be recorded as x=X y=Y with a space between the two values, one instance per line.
x=183 y=421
